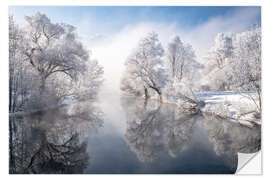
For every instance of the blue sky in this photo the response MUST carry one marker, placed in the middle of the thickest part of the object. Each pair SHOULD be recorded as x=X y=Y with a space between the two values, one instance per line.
x=102 y=20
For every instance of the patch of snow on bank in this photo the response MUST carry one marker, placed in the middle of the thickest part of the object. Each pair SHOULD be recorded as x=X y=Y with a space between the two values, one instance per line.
x=231 y=105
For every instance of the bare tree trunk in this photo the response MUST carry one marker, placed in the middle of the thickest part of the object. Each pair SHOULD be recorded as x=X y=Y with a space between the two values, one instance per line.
x=260 y=100
x=173 y=67
x=14 y=95
x=145 y=103
x=160 y=98
x=181 y=71
x=42 y=85
x=157 y=91
x=10 y=94
x=11 y=159
x=146 y=95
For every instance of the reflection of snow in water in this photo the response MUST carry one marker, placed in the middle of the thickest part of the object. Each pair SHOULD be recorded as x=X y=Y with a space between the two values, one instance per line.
x=135 y=133
x=164 y=127
x=55 y=141
x=161 y=127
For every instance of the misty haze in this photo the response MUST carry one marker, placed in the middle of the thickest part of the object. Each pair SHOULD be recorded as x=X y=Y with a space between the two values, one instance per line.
x=133 y=90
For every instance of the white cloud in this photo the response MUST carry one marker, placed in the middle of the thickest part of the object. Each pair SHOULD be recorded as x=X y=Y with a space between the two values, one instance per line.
x=202 y=36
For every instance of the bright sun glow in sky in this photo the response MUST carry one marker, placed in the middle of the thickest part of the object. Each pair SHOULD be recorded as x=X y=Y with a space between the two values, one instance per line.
x=112 y=32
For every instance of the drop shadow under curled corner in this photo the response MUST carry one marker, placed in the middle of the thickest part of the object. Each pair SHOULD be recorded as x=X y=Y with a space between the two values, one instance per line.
x=244 y=159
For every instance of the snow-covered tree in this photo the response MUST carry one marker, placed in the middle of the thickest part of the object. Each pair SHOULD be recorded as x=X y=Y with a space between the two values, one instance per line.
x=14 y=39
x=216 y=65
x=234 y=63
x=145 y=69
x=22 y=79
x=245 y=66
x=48 y=64
x=53 y=48
x=181 y=60
x=221 y=50
x=88 y=84
x=183 y=68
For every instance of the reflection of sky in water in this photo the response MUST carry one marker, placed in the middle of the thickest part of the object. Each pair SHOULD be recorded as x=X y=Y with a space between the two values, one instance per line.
x=159 y=139
x=116 y=157
x=123 y=135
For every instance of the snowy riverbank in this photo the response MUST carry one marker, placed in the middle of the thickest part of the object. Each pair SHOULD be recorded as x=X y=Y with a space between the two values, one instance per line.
x=231 y=105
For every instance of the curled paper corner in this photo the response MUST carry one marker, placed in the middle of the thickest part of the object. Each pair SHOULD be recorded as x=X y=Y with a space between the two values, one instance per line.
x=249 y=164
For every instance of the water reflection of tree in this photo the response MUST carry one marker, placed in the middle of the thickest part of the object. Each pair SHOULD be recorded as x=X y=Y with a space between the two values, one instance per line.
x=153 y=127
x=177 y=130
x=228 y=138
x=54 y=142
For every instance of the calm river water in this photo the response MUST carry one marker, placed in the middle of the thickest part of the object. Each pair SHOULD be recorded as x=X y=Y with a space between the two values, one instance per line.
x=127 y=135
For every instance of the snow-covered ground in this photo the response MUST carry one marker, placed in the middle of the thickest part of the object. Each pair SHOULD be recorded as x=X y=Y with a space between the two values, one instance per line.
x=233 y=105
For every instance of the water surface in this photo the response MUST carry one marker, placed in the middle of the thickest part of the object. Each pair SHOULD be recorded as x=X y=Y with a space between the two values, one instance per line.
x=127 y=135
